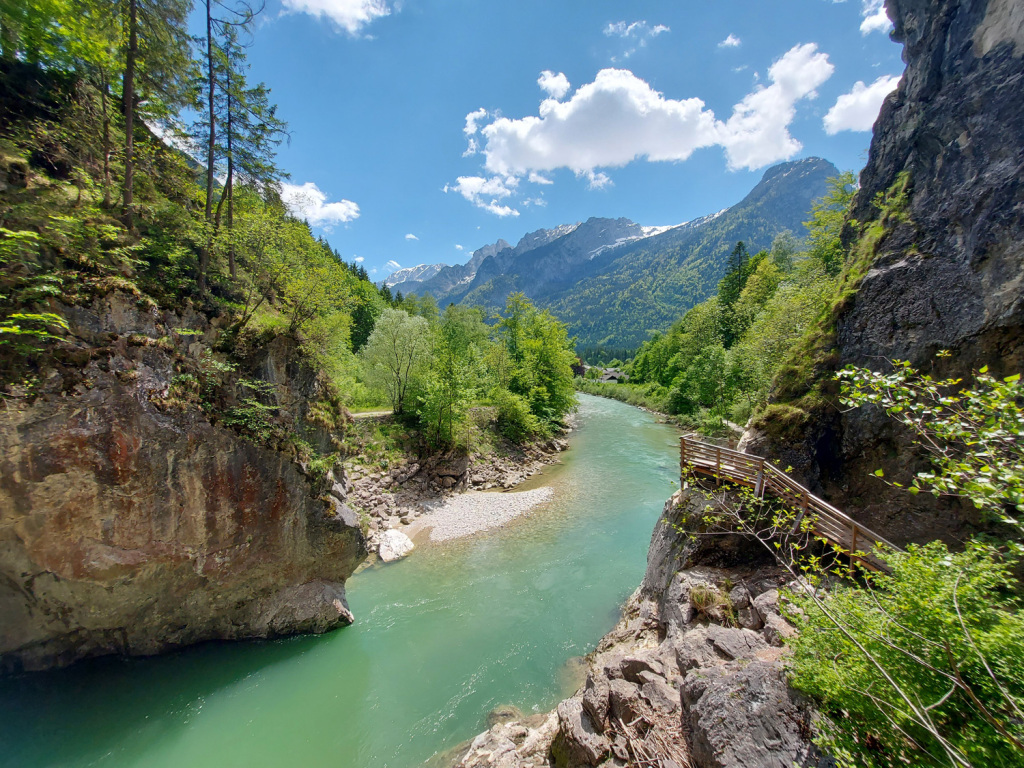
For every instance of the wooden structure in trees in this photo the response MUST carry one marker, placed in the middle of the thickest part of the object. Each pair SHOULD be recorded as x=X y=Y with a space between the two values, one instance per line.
x=827 y=522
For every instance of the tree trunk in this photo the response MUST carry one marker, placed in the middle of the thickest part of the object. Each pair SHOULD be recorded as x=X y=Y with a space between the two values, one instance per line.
x=129 y=112
x=204 y=253
x=104 y=94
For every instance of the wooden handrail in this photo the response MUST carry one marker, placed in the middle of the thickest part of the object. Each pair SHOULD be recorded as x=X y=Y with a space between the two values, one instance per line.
x=829 y=523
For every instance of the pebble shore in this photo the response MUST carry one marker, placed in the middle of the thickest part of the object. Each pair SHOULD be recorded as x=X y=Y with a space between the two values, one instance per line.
x=475 y=511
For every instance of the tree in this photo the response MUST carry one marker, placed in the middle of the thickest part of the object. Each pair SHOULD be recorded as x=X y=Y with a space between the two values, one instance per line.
x=923 y=664
x=973 y=436
x=825 y=228
x=540 y=358
x=249 y=131
x=157 y=76
x=396 y=353
x=455 y=375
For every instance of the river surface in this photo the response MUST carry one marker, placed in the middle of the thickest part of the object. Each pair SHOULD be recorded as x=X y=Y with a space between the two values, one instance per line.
x=440 y=639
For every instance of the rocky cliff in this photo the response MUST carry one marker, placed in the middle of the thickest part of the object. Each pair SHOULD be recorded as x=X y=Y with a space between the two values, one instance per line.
x=692 y=675
x=133 y=522
x=941 y=262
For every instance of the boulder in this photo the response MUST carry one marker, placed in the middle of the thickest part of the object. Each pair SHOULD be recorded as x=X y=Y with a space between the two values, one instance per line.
x=394 y=545
x=577 y=742
x=777 y=630
x=742 y=716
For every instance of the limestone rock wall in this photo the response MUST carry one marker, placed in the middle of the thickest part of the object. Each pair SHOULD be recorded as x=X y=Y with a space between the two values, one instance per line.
x=126 y=527
x=950 y=274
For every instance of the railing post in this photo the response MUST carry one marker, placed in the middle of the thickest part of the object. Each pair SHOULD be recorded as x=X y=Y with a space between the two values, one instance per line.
x=759 y=484
x=718 y=471
x=853 y=544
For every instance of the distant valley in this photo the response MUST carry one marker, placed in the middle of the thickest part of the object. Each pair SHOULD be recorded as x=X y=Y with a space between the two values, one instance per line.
x=615 y=281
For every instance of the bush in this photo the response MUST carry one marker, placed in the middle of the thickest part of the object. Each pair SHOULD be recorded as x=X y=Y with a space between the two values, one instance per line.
x=515 y=421
x=950 y=639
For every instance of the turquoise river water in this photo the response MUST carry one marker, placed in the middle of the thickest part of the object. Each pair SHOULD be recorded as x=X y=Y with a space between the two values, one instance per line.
x=440 y=639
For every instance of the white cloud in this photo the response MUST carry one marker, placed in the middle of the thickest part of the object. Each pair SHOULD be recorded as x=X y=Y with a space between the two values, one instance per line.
x=858 y=109
x=636 y=30
x=539 y=178
x=486 y=192
x=472 y=121
x=391 y=265
x=637 y=33
x=875 y=17
x=350 y=15
x=358 y=259
x=411 y=236
x=619 y=118
x=757 y=133
x=459 y=247
x=556 y=86
x=306 y=201
x=730 y=42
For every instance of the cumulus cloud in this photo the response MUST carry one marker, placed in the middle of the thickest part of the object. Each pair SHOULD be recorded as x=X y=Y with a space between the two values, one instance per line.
x=307 y=201
x=556 y=86
x=487 y=192
x=637 y=30
x=757 y=133
x=637 y=34
x=858 y=109
x=619 y=118
x=458 y=247
x=350 y=15
x=875 y=18
x=473 y=120
x=411 y=236
x=358 y=259
x=391 y=265
x=730 y=42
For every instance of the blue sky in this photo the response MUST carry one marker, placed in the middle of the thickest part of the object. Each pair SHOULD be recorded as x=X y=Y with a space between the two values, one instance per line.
x=423 y=129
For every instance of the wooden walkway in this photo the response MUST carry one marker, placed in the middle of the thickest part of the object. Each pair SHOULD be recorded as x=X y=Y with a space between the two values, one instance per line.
x=827 y=522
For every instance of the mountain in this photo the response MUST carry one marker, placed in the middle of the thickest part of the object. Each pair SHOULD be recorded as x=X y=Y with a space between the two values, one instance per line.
x=615 y=281
x=417 y=274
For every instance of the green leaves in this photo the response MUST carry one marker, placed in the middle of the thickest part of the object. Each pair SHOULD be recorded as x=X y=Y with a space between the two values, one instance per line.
x=972 y=434
x=951 y=643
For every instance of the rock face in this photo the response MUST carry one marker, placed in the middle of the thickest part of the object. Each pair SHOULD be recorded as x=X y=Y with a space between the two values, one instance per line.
x=670 y=685
x=948 y=273
x=126 y=527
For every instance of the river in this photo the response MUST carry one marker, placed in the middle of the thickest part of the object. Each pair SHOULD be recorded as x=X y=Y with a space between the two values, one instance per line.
x=440 y=639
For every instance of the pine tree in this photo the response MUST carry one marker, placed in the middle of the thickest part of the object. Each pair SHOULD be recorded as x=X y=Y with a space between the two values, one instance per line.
x=249 y=132
x=157 y=75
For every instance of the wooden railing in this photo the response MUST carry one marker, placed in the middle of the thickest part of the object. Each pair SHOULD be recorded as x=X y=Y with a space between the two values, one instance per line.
x=829 y=523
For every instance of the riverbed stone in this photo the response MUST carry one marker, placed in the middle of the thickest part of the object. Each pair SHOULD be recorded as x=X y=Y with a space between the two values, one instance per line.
x=394 y=545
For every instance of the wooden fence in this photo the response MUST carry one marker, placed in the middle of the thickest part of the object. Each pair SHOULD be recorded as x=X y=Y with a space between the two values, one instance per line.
x=829 y=523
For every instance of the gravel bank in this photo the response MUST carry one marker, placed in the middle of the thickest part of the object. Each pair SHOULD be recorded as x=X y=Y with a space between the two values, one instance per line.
x=475 y=511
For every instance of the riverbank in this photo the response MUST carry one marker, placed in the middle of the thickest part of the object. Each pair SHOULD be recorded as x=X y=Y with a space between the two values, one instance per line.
x=492 y=619
x=397 y=489
x=473 y=512
x=652 y=403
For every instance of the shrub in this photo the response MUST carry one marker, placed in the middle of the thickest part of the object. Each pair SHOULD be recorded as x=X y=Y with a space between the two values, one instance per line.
x=514 y=419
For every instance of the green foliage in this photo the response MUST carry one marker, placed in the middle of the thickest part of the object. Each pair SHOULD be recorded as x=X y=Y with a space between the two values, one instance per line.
x=825 y=227
x=514 y=419
x=540 y=359
x=973 y=436
x=397 y=355
x=920 y=668
x=255 y=419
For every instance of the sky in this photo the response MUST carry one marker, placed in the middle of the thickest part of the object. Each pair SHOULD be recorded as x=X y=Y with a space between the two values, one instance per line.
x=421 y=130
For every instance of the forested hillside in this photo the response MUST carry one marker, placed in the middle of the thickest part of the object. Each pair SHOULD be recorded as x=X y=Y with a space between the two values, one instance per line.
x=184 y=348
x=615 y=282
